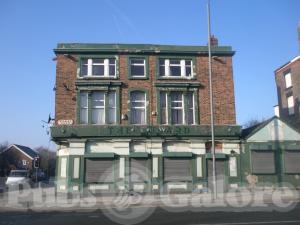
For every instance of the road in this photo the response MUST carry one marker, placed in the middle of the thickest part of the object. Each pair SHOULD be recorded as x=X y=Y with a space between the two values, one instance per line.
x=159 y=216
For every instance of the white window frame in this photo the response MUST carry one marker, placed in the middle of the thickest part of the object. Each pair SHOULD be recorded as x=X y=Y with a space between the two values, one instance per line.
x=24 y=162
x=106 y=65
x=137 y=64
x=99 y=107
x=139 y=107
x=178 y=108
x=288 y=80
x=291 y=105
x=182 y=68
x=114 y=107
x=85 y=108
x=193 y=108
x=166 y=111
x=184 y=100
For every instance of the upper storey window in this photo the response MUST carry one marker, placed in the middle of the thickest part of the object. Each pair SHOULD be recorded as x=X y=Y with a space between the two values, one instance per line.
x=288 y=80
x=100 y=67
x=137 y=67
x=176 y=68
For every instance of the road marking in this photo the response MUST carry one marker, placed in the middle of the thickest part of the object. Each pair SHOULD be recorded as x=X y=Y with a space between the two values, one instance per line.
x=245 y=223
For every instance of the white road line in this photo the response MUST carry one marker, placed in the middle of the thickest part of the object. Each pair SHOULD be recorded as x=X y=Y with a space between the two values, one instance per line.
x=258 y=222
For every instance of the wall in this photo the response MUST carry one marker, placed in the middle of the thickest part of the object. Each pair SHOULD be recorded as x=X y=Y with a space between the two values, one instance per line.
x=66 y=75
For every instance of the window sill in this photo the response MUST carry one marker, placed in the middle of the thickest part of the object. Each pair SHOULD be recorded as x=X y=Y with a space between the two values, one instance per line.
x=176 y=78
x=138 y=78
x=97 y=78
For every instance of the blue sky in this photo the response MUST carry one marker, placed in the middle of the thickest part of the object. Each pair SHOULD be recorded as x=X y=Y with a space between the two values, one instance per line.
x=263 y=34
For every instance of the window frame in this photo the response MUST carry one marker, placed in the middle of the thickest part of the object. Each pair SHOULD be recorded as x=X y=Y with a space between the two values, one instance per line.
x=291 y=109
x=85 y=108
x=146 y=67
x=182 y=59
x=89 y=91
x=146 y=105
x=106 y=64
x=185 y=107
x=263 y=151
x=93 y=107
x=288 y=83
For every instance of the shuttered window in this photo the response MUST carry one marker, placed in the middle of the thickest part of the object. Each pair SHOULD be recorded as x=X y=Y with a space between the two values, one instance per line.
x=177 y=169
x=291 y=161
x=263 y=162
x=99 y=170
x=138 y=170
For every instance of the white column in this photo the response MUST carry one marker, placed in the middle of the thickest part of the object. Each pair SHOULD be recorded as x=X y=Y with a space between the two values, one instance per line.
x=122 y=167
x=90 y=66
x=155 y=167
x=106 y=67
x=199 y=166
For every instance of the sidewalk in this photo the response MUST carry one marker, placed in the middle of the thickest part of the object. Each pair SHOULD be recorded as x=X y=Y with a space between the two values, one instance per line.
x=46 y=200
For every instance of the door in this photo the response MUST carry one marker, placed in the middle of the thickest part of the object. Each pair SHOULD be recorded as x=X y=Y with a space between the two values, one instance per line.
x=139 y=174
x=220 y=175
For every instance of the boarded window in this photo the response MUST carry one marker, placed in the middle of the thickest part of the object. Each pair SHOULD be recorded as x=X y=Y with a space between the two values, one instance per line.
x=291 y=161
x=138 y=170
x=263 y=162
x=99 y=170
x=177 y=169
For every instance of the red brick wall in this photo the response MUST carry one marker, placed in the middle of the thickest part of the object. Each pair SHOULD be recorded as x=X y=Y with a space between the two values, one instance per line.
x=65 y=107
x=283 y=92
x=15 y=158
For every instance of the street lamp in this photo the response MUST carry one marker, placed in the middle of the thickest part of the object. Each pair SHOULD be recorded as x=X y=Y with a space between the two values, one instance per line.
x=211 y=103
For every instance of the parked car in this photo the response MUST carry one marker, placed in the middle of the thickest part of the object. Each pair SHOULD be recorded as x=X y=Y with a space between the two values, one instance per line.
x=18 y=178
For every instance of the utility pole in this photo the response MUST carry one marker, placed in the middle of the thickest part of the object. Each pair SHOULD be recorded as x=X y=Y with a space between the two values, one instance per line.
x=212 y=123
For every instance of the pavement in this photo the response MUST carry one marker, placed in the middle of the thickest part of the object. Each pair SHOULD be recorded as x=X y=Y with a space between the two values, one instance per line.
x=45 y=199
x=241 y=207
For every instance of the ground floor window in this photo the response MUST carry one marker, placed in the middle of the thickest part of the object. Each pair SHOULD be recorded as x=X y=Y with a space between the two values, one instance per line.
x=291 y=161
x=263 y=162
x=177 y=169
x=138 y=170
x=99 y=170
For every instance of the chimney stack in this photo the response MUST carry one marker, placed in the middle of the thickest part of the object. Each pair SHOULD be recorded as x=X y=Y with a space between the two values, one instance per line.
x=214 y=41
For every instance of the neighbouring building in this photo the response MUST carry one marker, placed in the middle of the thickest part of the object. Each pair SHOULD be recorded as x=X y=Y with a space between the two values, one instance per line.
x=270 y=154
x=287 y=79
x=17 y=157
x=121 y=108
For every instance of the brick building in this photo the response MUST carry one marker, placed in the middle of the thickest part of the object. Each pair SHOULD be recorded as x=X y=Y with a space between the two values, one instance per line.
x=287 y=79
x=137 y=117
x=17 y=157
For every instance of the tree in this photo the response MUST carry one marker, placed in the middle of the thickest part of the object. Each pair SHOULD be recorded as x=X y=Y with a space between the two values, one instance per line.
x=4 y=164
x=252 y=122
x=47 y=160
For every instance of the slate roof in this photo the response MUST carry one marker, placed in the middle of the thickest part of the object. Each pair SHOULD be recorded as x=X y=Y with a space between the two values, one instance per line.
x=30 y=152
x=253 y=129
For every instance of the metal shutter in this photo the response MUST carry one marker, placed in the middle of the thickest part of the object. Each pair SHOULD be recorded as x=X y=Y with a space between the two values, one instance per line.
x=263 y=162
x=138 y=170
x=98 y=170
x=292 y=161
x=177 y=169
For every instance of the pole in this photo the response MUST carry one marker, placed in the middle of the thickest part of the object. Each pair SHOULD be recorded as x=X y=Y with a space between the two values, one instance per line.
x=211 y=104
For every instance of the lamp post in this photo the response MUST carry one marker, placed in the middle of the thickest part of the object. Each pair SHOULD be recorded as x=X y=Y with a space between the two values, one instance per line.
x=211 y=103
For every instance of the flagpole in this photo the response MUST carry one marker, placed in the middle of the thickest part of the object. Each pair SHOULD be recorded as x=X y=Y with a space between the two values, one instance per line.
x=211 y=104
